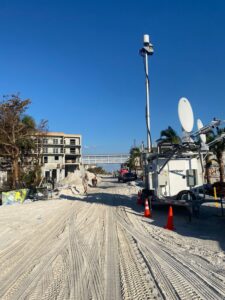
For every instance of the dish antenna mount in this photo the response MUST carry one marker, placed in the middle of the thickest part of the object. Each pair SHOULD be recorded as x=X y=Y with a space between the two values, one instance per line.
x=185 y=114
x=200 y=126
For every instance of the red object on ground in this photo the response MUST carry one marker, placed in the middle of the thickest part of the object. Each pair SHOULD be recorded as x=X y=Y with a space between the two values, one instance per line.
x=147 y=213
x=169 y=224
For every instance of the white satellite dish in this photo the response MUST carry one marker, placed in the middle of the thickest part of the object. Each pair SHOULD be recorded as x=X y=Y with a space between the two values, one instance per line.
x=202 y=136
x=185 y=114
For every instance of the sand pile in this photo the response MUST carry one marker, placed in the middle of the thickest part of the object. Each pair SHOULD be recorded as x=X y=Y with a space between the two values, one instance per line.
x=72 y=185
x=76 y=178
x=72 y=179
x=69 y=192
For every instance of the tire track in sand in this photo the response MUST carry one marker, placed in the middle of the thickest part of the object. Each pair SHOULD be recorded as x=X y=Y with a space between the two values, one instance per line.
x=29 y=257
x=191 y=282
x=136 y=280
x=86 y=276
x=112 y=281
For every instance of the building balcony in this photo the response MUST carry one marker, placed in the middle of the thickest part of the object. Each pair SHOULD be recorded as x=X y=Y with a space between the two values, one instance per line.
x=53 y=145
x=72 y=145
x=73 y=154
x=71 y=162
x=72 y=159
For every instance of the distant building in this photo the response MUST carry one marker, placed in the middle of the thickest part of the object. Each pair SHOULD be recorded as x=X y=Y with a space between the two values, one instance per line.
x=61 y=154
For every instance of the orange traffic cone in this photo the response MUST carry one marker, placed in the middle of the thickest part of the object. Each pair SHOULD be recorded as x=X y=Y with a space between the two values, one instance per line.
x=147 y=213
x=169 y=224
x=139 y=198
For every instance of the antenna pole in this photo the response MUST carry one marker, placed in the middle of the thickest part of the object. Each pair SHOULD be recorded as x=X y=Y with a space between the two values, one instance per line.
x=145 y=52
x=147 y=83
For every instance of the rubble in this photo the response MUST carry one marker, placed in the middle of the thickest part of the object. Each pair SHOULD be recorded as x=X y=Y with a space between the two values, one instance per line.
x=72 y=185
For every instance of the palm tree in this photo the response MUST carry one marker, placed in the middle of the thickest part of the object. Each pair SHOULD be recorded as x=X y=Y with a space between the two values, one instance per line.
x=218 y=149
x=209 y=159
x=170 y=135
x=134 y=160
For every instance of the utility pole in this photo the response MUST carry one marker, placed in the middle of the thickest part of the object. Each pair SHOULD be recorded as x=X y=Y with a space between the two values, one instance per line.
x=145 y=52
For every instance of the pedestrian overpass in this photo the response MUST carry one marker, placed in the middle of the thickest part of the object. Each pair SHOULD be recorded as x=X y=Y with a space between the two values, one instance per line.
x=95 y=159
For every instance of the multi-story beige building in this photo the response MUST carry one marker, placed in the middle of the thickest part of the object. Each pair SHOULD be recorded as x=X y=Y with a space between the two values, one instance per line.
x=61 y=154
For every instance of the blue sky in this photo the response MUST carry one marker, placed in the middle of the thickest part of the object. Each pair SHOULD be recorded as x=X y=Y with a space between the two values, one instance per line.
x=78 y=62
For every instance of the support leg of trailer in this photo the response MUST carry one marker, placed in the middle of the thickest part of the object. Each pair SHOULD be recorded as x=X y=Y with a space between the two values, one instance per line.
x=196 y=208
x=190 y=211
x=150 y=202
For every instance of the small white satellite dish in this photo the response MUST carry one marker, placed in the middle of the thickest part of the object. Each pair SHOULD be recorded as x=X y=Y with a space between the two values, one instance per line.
x=185 y=114
x=202 y=136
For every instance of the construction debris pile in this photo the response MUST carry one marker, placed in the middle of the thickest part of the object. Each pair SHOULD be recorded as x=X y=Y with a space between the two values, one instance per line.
x=73 y=186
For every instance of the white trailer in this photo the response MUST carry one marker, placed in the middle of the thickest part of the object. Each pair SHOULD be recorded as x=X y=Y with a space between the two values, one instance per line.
x=175 y=172
x=179 y=173
x=176 y=175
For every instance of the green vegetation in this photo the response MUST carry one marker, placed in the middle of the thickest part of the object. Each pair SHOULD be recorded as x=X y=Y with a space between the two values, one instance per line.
x=18 y=142
x=134 y=162
x=169 y=135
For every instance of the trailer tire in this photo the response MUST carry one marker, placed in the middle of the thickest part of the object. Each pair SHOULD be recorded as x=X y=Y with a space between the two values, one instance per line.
x=186 y=195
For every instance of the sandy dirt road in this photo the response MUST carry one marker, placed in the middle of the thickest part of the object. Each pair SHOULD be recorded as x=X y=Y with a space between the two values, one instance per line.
x=102 y=247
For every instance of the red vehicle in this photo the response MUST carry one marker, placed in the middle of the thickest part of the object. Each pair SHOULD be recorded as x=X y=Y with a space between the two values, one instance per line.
x=123 y=171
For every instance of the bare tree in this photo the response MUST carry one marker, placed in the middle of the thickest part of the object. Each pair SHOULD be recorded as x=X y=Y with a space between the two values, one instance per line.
x=17 y=132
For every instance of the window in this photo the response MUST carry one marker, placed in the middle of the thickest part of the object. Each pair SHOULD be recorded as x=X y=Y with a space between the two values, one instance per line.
x=45 y=150
x=55 y=141
x=47 y=174
x=72 y=142
x=45 y=141
x=72 y=150
x=45 y=159
x=61 y=150
x=55 y=150
x=61 y=141
x=56 y=157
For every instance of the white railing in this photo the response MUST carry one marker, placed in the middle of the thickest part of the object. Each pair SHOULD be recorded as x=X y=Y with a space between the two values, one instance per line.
x=94 y=159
